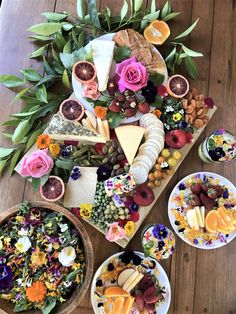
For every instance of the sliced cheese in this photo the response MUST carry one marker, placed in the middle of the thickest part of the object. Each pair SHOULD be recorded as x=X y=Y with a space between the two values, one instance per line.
x=199 y=216
x=102 y=51
x=130 y=280
x=192 y=219
x=61 y=129
x=130 y=137
x=92 y=118
x=134 y=283
x=82 y=190
x=106 y=129
x=202 y=210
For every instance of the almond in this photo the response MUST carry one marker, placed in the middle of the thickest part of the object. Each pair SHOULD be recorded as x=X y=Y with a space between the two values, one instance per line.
x=200 y=104
x=200 y=112
x=198 y=123
x=189 y=119
x=189 y=96
x=190 y=108
x=205 y=119
x=184 y=103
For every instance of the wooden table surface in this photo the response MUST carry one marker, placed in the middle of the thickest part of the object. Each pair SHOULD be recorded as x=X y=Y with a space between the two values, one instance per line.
x=201 y=281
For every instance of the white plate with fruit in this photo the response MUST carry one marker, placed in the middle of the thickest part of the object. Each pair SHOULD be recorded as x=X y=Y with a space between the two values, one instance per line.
x=202 y=210
x=127 y=282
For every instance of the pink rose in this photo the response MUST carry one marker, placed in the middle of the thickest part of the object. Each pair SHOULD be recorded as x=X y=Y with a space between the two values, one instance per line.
x=36 y=165
x=115 y=232
x=90 y=90
x=131 y=75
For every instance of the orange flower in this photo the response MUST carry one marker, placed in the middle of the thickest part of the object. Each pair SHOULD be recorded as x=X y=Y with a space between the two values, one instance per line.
x=100 y=112
x=36 y=292
x=43 y=141
x=157 y=113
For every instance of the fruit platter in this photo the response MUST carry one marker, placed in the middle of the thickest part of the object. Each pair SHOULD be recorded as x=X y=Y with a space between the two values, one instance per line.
x=128 y=282
x=113 y=146
x=202 y=210
x=46 y=259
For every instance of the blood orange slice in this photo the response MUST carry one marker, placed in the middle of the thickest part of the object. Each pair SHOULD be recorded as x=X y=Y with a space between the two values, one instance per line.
x=53 y=189
x=71 y=110
x=84 y=71
x=177 y=86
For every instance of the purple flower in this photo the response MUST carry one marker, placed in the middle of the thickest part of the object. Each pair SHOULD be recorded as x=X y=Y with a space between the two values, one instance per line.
x=182 y=186
x=6 y=277
x=56 y=272
x=226 y=193
x=75 y=173
x=66 y=151
x=183 y=125
x=160 y=232
x=34 y=217
x=216 y=154
x=104 y=173
x=133 y=207
x=195 y=241
x=161 y=244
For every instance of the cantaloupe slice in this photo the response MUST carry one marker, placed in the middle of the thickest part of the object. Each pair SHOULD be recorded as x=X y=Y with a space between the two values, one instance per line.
x=114 y=291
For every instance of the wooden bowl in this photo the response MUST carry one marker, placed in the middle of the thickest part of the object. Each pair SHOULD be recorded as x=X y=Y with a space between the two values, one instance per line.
x=79 y=293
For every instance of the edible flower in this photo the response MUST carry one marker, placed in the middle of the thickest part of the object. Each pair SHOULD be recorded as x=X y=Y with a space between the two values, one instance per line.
x=90 y=90
x=23 y=244
x=104 y=172
x=100 y=112
x=6 y=277
x=129 y=228
x=86 y=210
x=34 y=217
x=54 y=149
x=38 y=258
x=36 y=292
x=160 y=232
x=177 y=117
x=75 y=173
x=67 y=256
x=157 y=113
x=209 y=102
x=115 y=232
x=43 y=141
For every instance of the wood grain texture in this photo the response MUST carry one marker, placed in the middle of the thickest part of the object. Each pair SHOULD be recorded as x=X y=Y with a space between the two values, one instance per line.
x=201 y=281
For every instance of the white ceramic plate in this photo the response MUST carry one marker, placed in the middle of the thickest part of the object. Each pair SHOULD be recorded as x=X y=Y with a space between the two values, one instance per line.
x=88 y=105
x=206 y=245
x=162 y=277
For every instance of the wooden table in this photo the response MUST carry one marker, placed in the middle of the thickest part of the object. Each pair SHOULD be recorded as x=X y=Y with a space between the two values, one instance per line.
x=201 y=281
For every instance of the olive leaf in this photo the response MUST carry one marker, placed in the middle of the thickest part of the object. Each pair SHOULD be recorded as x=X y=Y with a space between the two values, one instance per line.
x=122 y=53
x=33 y=137
x=171 y=55
x=20 y=94
x=11 y=80
x=31 y=75
x=137 y=5
x=67 y=47
x=54 y=16
x=165 y=10
x=60 y=41
x=171 y=16
x=190 y=52
x=149 y=18
x=48 y=69
x=39 y=52
x=124 y=11
x=45 y=28
x=107 y=14
x=41 y=94
x=188 y=31
x=65 y=79
x=191 y=67
x=5 y=152
x=93 y=13
x=67 y=26
x=81 y=8
x=40 y=37
x=14 y=161
x=2 y=165
x=153 y=6
x=24 y=114
x=21 y=130
x=11 y=123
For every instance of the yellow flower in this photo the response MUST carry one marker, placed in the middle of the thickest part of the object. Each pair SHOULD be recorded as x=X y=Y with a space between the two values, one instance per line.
x=76 y=266
x=38 y=258
x=51 y=285
x=218 y=140
x=129 y=228
x=56 y=245
x=86 y=210
x=54 y=149
x=177 y=117
x=20 y=219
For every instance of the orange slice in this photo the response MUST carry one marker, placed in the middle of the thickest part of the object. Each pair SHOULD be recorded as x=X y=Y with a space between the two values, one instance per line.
x=128 y=305
x=212 y=221
x=234 y=217
x=226 y=220
x=117 y=305
x=157 y=32
x=113 y=292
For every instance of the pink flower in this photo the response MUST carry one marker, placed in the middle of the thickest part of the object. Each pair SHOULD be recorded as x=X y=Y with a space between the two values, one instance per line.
x=36 y=165
x=131 y=75
x=115 y=232
x=90 y=90
x=209 y=102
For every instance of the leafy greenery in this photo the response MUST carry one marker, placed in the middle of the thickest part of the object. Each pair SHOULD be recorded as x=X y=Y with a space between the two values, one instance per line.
x=60 y=44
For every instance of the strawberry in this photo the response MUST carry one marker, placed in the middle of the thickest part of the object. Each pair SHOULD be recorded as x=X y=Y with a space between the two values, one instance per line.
x=219 y=190
x=196 y=188
x=130 y=112
x=207 y=201
x=114 y=106
x=150 y=295
x=151 y=308
x=139 y=301
x=146 y=282
x=212 y=193
x=121 y=98
x=144 y=107
x=193 y=200
x=204 y=188
x=134 y=216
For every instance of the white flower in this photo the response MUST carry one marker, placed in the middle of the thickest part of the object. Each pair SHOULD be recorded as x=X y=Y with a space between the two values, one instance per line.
x=63 y=227
x=67 y=284
x=23 y=244
x=1 y=245
x=169 y=109
x=67 y=256
x=23 y=232
x=19 y=281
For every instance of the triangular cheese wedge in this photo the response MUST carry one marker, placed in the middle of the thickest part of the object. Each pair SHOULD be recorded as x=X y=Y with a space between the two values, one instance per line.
x=102 y=57
x=130 y=137
x=192 y=219
x=61 y=129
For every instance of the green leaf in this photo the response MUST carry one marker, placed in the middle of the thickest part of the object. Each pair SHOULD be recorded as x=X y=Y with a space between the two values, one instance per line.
x=71 y=276
x=44 y=179
x=158 y=102
x=48 y=308
x=156 y=78
x=187 y=32
x=67 y=59
x=45 y=28
x=153 y=6
x=11 y=123
x=31 y=75
x=74 y=36
x=171 y=55
x=24 y=114
x=11 y=80
x=54 y=16
x=36 y=184
x=121 y=53
x=48 y=69
x=33 y=137
x=149 y=18
x=191 y=53
x=41 y=94
x=107 y=14
x=39 y=52
x=14 y=160
x=165 y=10
x=55 y=55
x=124 y=11
x=137 y=5
x=21 y=130
x=60 y=41
x=5 y=152
x=67 y=47
x=211 y=144
x=7 y=135
x=64 y=164
x=65 y=79
x=40 y=37
x=81 y=39
x=81 y=7
x=48 y=78
x=114 y=119
x=20 y=94
x=2 y=165
x=94 y=13
x=171 y=16
x=191 y=67
x=67 y=26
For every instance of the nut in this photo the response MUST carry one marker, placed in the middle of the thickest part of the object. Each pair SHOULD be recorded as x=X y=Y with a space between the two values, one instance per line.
x=184 y=103
x=205 y=119
x=189 y=119
x=200 y=112
x=200 y=104
x=198 y=123
x=190 y=108
x=189 y=96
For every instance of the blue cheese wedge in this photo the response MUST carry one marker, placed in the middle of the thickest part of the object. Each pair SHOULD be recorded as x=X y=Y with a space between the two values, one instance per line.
x=61 y=129
x=102 y=51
